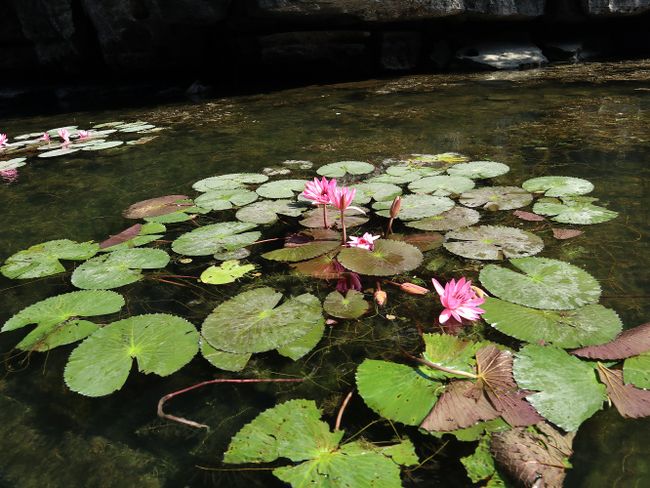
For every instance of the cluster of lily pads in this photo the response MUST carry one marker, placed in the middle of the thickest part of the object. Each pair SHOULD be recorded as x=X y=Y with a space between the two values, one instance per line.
x=63 y=141
x=560 y=357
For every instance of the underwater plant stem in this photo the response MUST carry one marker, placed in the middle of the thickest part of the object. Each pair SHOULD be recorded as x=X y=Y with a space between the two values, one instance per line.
x=325 y=222
x=389 y=229
x=444 y=369
x=191 y=423
x=339 y=417
x=344 y=238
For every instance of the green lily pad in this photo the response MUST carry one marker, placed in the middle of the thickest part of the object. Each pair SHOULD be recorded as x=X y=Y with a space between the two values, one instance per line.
x=396 y=391
x=44 y=259
x=543 y=283
x=215 y=238
x=154 y=207
x=228 y=272
x=187 y=213
x=451 y=352
x=350 y=306
x=415 y=207
x=479 y=169
x=226 y=199
x=267 y=211
x=340 y=169
x=568 y=392
x=558 y=186
x=281 y=188
x=301 y=346
x=388 y=258
x=585 y=326
x=488 y=242
x=496 y=198
x=161 y=343
x=446 y=157
x=293 y=430
x=480 y=464
x=636 y=370
x=12 y=164
x=251 y=322
x=574 y=210
x=228 y=361
x=314 y=218
x=57 y=318
x=303 y=252
x=375 y=191
x=241 y=253
x=117 y=268
x=453 y=219
x=102 y=145
x=442 y=185
x=64 y=151
x=135 y=236
x=413 y=172
x=229 y=181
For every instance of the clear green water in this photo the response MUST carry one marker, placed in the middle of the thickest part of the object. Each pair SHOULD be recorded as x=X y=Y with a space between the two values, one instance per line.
x=587 y=127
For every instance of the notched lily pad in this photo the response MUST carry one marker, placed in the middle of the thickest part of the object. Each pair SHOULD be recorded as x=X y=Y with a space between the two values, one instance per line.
x=341 y=168
x=442 y=185
x=226 y=199
x=496 y=198
x=479 y=169
x=415 y=207
x=228 y=361
x=227 y=272
x=488 y=242
x=229 y=181
x=267 y=211
x=350 y=306
x=353 y=218
x=215 y=238
x=424 y=241
x=134 y=236
x=558 y=186
x=302 y=252
x=456 y=218
x=281 y=188
x=574 y=210
x=389 y=257
x=375 y=191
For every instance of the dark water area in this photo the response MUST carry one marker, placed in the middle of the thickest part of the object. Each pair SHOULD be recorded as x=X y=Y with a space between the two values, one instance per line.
x=592 y=123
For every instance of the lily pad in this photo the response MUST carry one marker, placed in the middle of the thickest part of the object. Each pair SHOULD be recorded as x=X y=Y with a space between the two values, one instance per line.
x=161 y=343
x=442 y=185
x=488 y=242
x=154 y=207
x=314 y=218
x=567 y=390
x=281 y=188
x=301 y=346
x=266 y=212
x=415 y=207
x=446 y=157
x=134 y=236
x=117 y=268
x=574 y=210
x=215 y=238
x=585 y=326
x=543 y=283
x=13 y=164
x=229 y=181
x=44 y=259
x=298 y=164
x=453 y=219
x=630 y=402
x=413 y=172
x=228 y=361
x=448 y=351
x=100 y=146
x=375 y=191
x=241 y=253
x=250 y=322
x=424 y=241
x=630 y=342
x=496 y=198
x=340 y=169
x=182 y=215
x=350 y=306
x=226 y=199
x=479 y=169
x=388 y=258
x=558 y=186
x=227 y=272
x=64 y=151
x=57 y=318
x=396 y=391
x=636 y=370
x=303 y=252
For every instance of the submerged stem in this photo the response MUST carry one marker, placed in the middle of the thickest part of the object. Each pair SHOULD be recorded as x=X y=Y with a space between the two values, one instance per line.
x=339 y=417
x=344 y=239
x=325 y=222
x=444 y=369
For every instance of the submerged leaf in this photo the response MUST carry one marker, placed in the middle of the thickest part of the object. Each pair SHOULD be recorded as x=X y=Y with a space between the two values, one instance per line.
x=155 y=207
x=388 y=257
x=563 y=234
x=416 y=207
x=215 y=238
x=350 y=306
x=452 y=219
x=558 y=186
x=227 y=272
x=629 y=343
x=487 y=242
x=424 y=241
x=528 y=216
x=303 y=252
x=496 y=198
x=574 y=210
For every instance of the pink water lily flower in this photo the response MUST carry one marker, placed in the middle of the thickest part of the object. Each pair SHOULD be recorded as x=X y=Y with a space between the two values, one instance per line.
x=319 y=191
x=342 y=197
x=83 y=134
x=45 y=137
x=3 y=140
x=367 y=241
x=64 y=134
x=9 y=175
x=459 y=299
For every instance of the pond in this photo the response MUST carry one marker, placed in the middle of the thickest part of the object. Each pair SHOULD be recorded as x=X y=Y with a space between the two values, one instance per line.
x=590 y=122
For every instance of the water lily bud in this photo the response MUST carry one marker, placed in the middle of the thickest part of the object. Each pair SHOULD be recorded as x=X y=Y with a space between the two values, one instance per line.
x=380 y=297
x=479 y=292
x=414 y=289
x=395 y=207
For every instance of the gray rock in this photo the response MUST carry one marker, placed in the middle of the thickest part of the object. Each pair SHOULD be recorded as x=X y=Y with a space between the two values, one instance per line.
x=503 y=55
x=615 y=7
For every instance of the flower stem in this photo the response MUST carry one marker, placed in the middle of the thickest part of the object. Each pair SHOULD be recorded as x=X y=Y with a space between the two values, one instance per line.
x=345 y=235
x=439 y=367
x=339 y=417
x=325 y=222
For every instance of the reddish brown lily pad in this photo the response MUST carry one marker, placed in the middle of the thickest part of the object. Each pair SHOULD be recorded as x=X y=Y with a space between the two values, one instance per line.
x=528 y=216
x=565 y=233
x=631 y=402
x=123 y=236
x=154 y=207
x=631 y=342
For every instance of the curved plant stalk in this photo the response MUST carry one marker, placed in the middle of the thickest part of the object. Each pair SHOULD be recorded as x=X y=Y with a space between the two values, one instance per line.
x=444 y=369
x=191 y=423
x=339 y=417
x=325 y=222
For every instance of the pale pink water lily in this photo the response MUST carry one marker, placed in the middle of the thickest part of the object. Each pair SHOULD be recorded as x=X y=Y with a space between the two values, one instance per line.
x=367 y=241
x=3 y=140
x=83 y=134
x=64 y=134
x=45 y=137
x=319 y=191
x=459 y=299
x=341 y=198
x=9 y=175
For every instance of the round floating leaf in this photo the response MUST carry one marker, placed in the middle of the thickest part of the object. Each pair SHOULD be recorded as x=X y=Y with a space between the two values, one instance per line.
x=322 y=267
x=137 y=128
x=161 y=344
x=528 y=216
x=298 y=164
x=108 y=124
x=375 y=191
x=64 y=151
x=241 y=253
x=228 y=272
x=487 y=242
x=591 y=324
x=302 y=253
x=43 y=259
x=455 y=218
x=447 y=158
x=182 y=215
x=281 y=188
x=389 y=257
x=12 y=164
x=416 y=207
x=396 y=391
x=225 y=199
x=215 y=238
x=266 y=212
x=574 y=210
x=350 y=306
x=543 y=283
x=154 y=207
x=496 y=198
x=630 y=342
x=636 y=370
x=100 y=146
x=558 y=186
x=251 y=322
x=314 y=218
x=448 y=351
x=134 y=236
x=301 y=346
x=442 y=185
x=568 y=391
x=229 y=181
x=340 y=169
x=411 y=172
x=424 y=241
x=228 y=361
x=56 y=318
x=479 y=169
x=117 y=268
